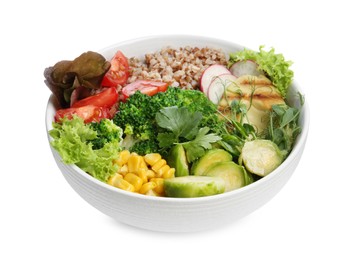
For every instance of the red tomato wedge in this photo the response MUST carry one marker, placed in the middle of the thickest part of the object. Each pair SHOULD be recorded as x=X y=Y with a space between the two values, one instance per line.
x=106 y=98
x=119 y=71
x=147 y=87
x=88 y=113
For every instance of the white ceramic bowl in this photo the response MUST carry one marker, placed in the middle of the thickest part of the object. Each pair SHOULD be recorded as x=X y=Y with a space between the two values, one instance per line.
x=179 y=214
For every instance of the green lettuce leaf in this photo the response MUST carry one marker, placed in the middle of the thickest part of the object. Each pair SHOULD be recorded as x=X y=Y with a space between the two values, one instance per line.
x=274 y=65
x=72 y=139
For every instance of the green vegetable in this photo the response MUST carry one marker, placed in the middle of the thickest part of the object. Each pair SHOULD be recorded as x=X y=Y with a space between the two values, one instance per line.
x=193 y=186
x=261 y=157
x=283 y=126
x=236 y=132
x=106 y=132
x=211 y=157
x=182 y=123
x=232 y=174
x=137 y=117
x=177 y=159
x=274 y=65
x=73 y=140
x=87 y=71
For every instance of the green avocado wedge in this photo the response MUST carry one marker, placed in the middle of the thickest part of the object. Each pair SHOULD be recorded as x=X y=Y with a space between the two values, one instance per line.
x=193 y=186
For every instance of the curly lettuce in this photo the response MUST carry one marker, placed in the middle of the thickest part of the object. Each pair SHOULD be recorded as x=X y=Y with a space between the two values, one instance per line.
x=73 y=139
x=274 y=65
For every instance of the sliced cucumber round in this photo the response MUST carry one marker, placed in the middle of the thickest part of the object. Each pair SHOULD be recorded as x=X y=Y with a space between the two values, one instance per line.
x=193 y=186
x=261 y=157
x=232 y=174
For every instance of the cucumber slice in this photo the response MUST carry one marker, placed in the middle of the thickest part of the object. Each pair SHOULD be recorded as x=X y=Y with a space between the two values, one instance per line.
x=193 y=186
x=232 y=174
x=261 y=157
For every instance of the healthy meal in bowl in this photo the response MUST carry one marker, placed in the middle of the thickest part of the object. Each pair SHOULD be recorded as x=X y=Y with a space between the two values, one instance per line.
x=180 y=122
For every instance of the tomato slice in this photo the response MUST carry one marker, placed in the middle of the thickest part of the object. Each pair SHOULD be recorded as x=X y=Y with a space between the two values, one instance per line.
x=88 y=113
x=106 y=98
x=147 y=87
x=119 y=71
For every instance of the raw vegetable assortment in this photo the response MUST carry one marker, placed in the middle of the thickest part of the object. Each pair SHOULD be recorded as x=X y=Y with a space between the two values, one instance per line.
x=155 y=139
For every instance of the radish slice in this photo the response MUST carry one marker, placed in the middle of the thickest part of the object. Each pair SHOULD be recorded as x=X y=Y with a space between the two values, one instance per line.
x=218 y=85
x=209 y=74
x=247 y=67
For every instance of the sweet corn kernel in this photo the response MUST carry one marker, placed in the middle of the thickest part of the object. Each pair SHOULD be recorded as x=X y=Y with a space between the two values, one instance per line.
x=123 y=170
x=113 y=178
x=143 y=163
x=120 y=183
x=169 y=174
x=159 y=189
x=152 y=193
x=158 y=165
x=134 y=180
x=122 y=158
x=134 y=163
x=165 y=168
x=152 y=158
x=147 y=187
x=142 y=174
x=150 y=174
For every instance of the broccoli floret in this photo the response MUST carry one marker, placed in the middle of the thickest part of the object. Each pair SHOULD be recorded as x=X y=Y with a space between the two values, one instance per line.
x=137 y=116
x=146 y=147
x=107 y=132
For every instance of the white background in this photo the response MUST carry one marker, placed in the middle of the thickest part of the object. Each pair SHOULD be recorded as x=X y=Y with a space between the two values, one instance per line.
x=315 y=216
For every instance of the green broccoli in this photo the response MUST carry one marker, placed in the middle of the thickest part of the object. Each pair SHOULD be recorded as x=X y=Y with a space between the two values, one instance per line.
x=106 y=132
x=137 y=117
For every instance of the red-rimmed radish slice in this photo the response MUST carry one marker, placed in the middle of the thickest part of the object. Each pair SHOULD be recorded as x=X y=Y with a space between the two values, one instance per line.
x=218 y=85
x=247 y=67
x=209 y=74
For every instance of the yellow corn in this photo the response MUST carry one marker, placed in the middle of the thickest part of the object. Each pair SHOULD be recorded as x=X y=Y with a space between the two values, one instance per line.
x=122 y=158
x=152 y=158
x=159 y=185
x=152 y=193
x=165 y=168
x=117 y=181
x=147 y=187
x=123 y=170
x=134 y=163
x=143 y=163
x=142 y=173
x=169 y=174
x=134 y=180
x=158 y=165
x=150 y=174
x=113 y=179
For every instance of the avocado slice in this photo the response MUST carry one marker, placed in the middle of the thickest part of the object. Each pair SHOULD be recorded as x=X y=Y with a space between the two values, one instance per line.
x=177 y=159
x=211 y=157
x=234 y=175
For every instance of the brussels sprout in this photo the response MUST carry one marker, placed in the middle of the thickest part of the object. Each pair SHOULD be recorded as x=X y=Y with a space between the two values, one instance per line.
x=193 y=186
x=261 y=157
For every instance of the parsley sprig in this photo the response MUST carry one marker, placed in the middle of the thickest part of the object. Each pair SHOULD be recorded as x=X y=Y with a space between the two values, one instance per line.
x=182 y=127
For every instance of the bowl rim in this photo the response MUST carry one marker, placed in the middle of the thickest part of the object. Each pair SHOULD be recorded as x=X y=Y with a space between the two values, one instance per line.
x=300 y=141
